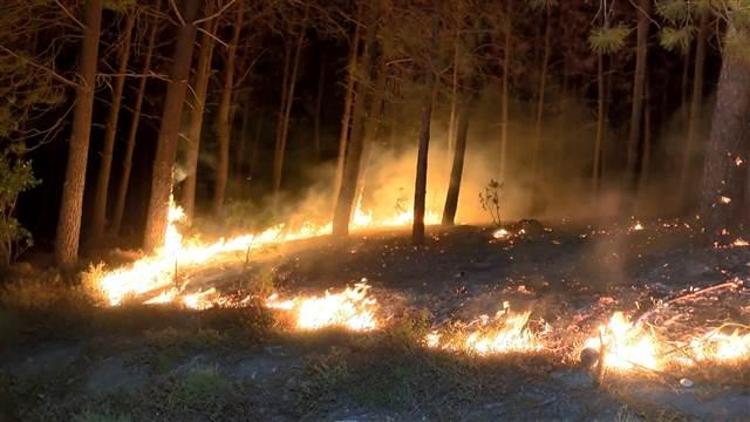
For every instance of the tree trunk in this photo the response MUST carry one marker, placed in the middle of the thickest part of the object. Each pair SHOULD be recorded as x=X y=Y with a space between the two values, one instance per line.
x=278 y=158
x=69 y=223
x=127 y=163
x=420 y=183
x=452 y=122
x=318 y=108
x=372 y=125
x=636 y=114
x=348 y=186
x=538 y=125
x=600 y=125
x=241 y=160
x=105 y=167
x=724 y=175
x=696 y=101
x=196 y=113
x=506 y=94
x=454 y=187
x=224 y=121
x=255 y=148
x=166 y=148
x=348 y=104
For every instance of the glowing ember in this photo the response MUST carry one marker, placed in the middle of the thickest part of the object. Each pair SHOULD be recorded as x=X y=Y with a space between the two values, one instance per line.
x=637 y=226
x=725 y=199
x=505 y=333
x=501 y=234
x=626 y=345
x=352 y=309
x=738 y=161
x=739 y=242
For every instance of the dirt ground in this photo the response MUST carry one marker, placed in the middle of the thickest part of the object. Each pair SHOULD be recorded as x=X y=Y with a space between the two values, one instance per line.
x=68 y=361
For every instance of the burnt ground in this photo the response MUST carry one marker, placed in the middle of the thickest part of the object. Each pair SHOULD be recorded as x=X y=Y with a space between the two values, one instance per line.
x=65 y=360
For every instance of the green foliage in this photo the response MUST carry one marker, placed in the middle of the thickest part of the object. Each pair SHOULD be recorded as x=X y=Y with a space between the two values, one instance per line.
x=674 y=11
x=490 y=200
x=679 y=39
x=16 y=177
x=608 y=40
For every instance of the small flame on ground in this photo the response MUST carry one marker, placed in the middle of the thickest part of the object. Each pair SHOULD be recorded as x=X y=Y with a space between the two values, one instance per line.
x=725 y=199
x=720 y=346
x=507 y=332
x=501 y=234
x=352 y=308
x=626 y=346
x=637 y=226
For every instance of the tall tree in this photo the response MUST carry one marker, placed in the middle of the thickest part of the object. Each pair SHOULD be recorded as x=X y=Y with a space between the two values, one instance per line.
x=348 y=184
x=319 y=108
x=197 y=113
x=105 y=167
x=166 y=148
x=505 y=94
x=348 y=102
x=538 y=124
x=454 y=186
x=281 y=141
x=725 y=173
x=696 y=101
x=420 y=183
x=69 y=222
x=135 y=120
x=639 y=82
x=224 y=121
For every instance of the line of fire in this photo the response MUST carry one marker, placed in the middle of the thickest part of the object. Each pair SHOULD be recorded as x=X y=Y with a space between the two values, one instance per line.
x=371 y=210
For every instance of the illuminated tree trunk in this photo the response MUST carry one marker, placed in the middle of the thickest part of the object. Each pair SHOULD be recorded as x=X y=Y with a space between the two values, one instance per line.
x=639 y=79
x=318 y=108
x=346 y=195
x=348 y=104
x=196 y=113
x=105 y=167
x=452 y=122
x=696 y=101
x=278 y=158
x=538 y=125
x=127 y=163
x=166 y=148
x=506 y=94
x=454 y=187
x=725 y=166
x=420 y=183
x=600 y=125
x=373 y=125
x=69 y=223
x=224 y=121
x=280 y=151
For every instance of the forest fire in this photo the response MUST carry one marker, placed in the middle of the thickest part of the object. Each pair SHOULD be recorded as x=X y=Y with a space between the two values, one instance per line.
x=506 y=332
x=351 y=308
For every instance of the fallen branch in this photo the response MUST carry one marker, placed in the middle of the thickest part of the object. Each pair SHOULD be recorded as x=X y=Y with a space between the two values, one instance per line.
x=734 y=283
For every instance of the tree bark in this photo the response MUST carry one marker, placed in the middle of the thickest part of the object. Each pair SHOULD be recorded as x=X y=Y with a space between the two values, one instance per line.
x=105 y=168
x=279 y=158
x=639 y=79
x=538 y=125
x=454 y=187
x=317 y=148
x=724 y=175
x=224 y=121
x=348 y=186
x=452 y=122
x=196 y=113
x=506 y=94
x=696 y=101
x=166 y=149
x=600 y=125
x=127 y=163
x=420 y=183
x=348 y=103
x=69 y=223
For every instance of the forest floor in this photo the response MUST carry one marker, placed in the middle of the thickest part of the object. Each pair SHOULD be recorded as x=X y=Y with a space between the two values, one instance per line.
x=63 y=359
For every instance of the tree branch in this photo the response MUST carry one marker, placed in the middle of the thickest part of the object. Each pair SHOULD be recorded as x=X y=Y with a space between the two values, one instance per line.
x=215 y=15
x=36 y=65
x=70 y=15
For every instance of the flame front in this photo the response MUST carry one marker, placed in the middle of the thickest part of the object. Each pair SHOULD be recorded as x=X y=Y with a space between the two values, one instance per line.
x=158 y=271
x=352 y=309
